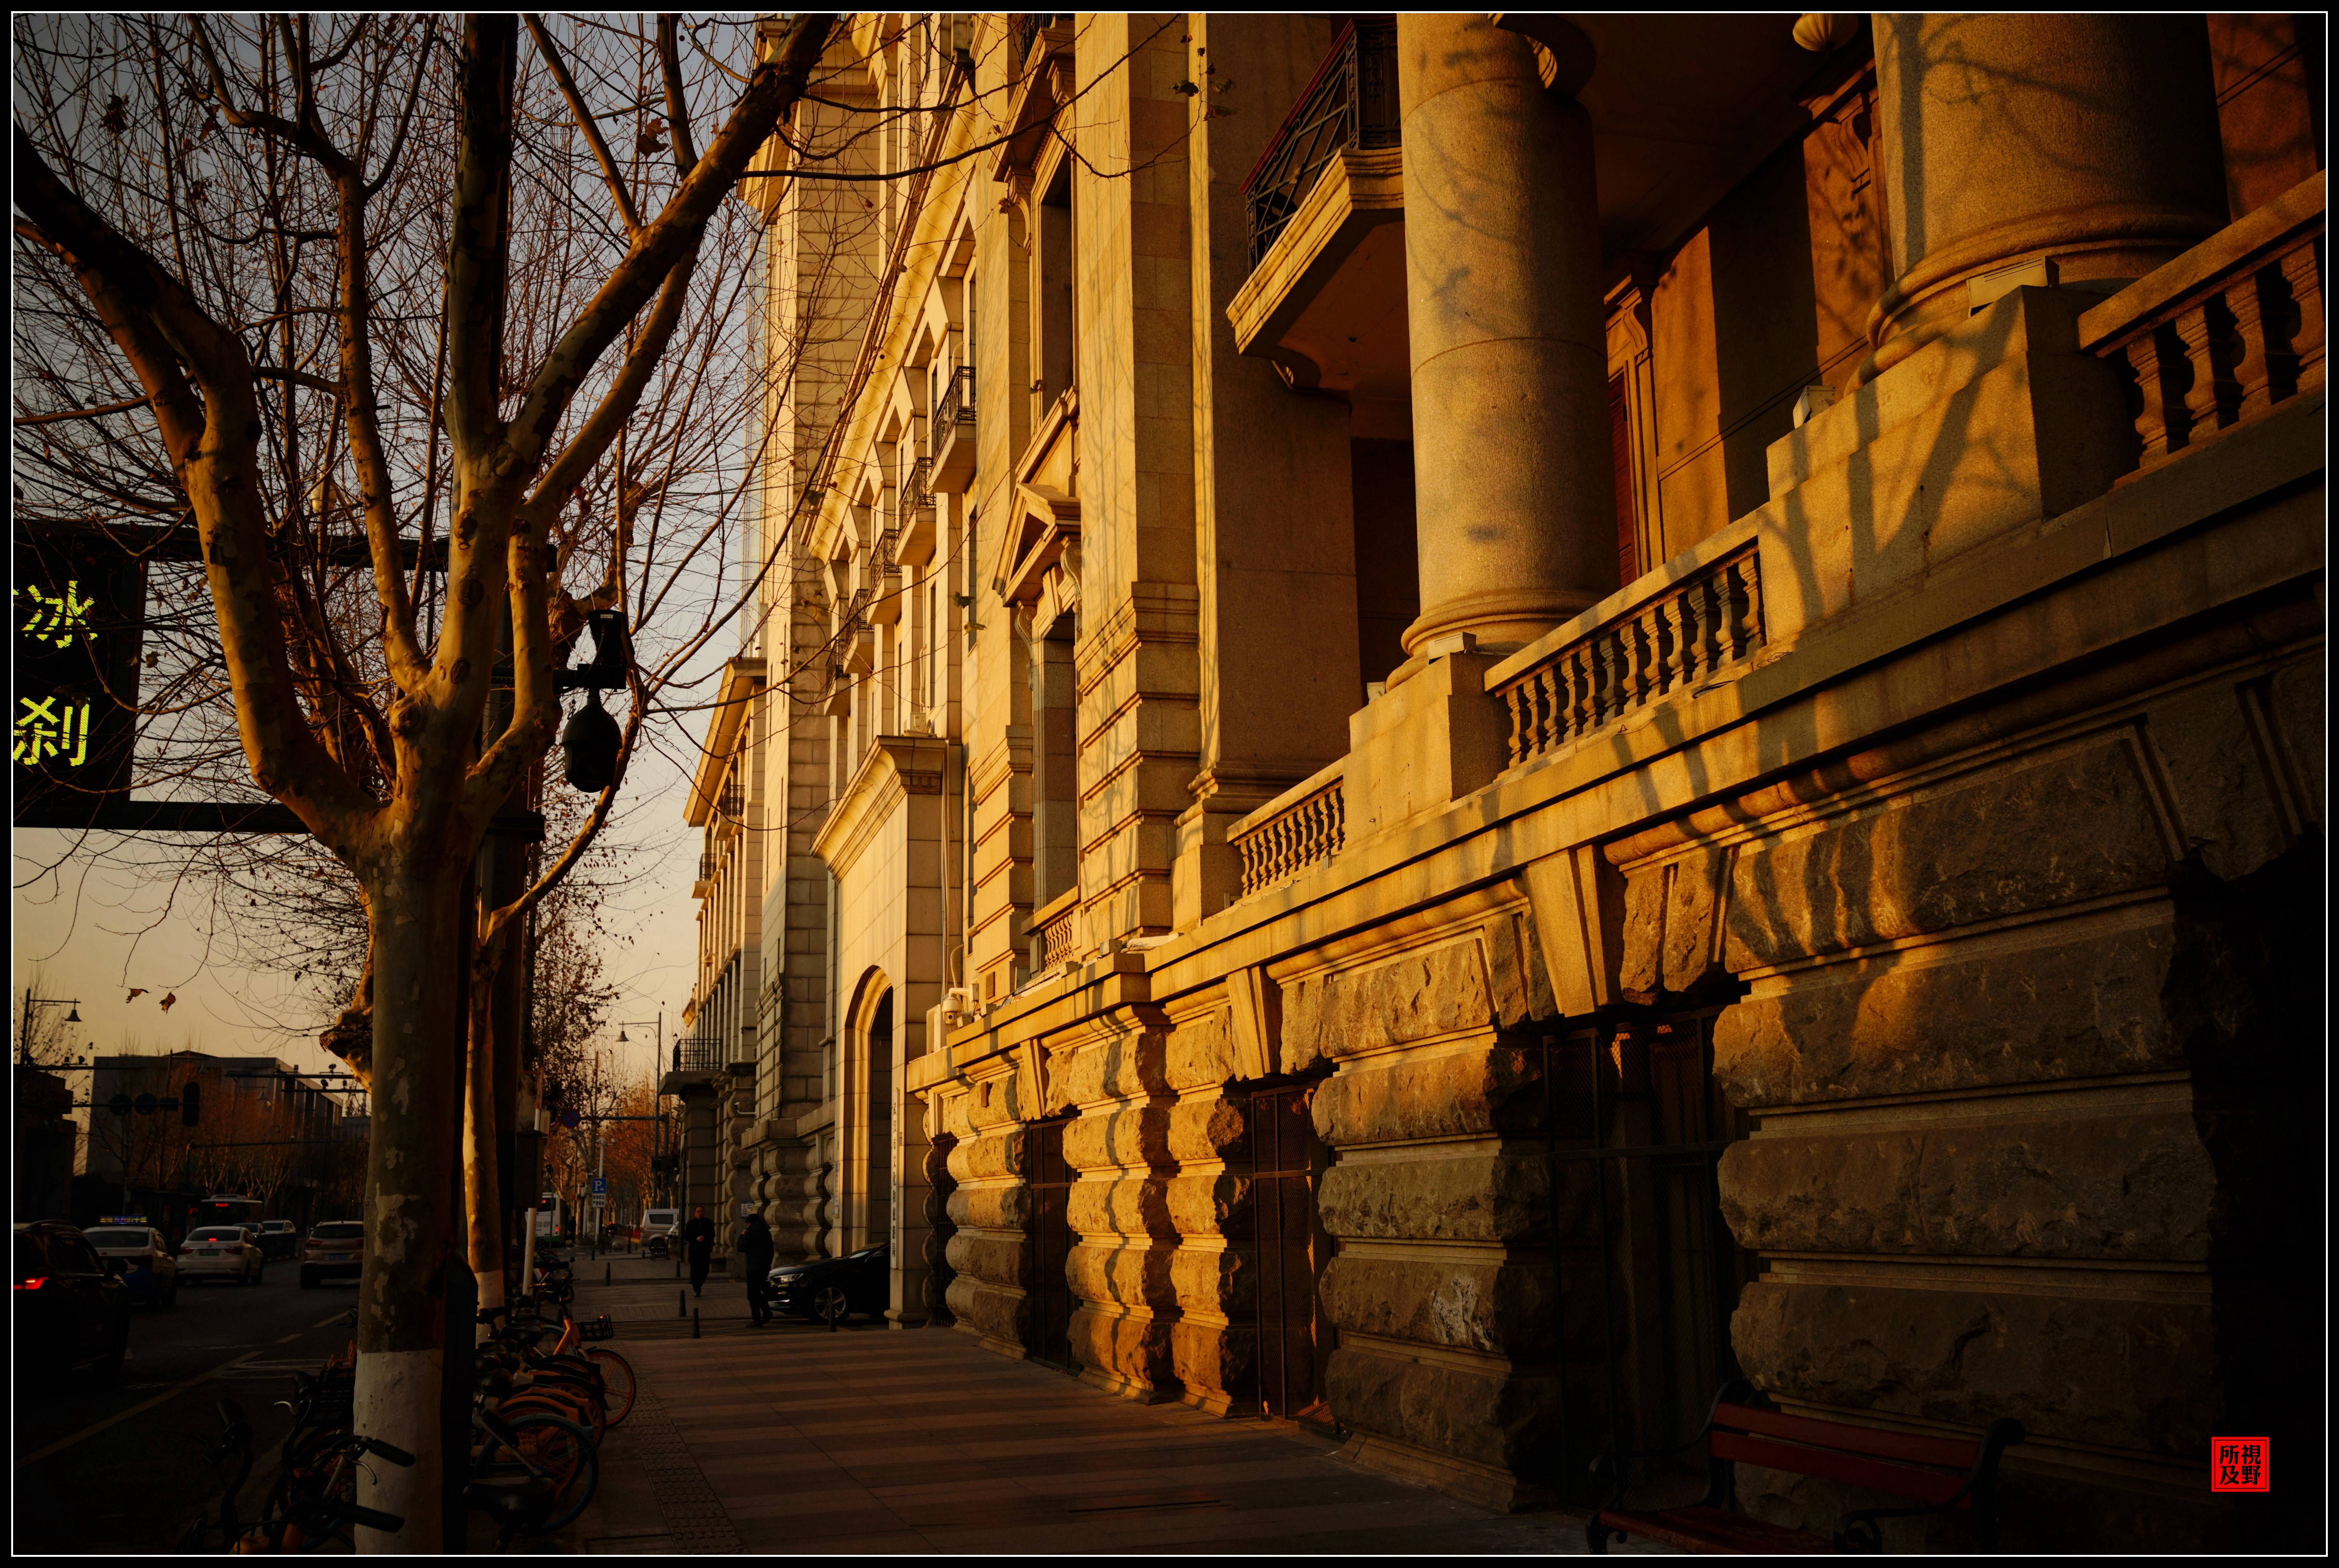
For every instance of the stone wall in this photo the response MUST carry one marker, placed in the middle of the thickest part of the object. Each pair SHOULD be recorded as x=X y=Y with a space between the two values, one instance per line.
x=2001 y=1147
x=989 y=1207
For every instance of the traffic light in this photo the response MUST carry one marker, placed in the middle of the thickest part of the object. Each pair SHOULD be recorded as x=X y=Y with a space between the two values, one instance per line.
x=191 y=1104
x=121 y=1104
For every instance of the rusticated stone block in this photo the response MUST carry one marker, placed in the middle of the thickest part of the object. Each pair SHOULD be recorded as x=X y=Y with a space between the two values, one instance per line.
x=1214 y=1279
x=1124 y=1068
x=1198 y=1051
x=1134 y=1349
x=2088 y=1008
x=988 y=1158
x=1503 y=1309
x=2226 y=812
x=1474 y=1197
x=1209 y=1130
x=1490 y=1417
x=996 y=1102
x=994 y=1260
x=1693 y=904
x=1132 y=1206
x=2133 y=1374
x=1212 y=1203
x=1496 y=1089
x=2294 y=699
x=2131 y=1187
x=1442 y=990
x=1641 y=970
x=2076 y=826
x=1210 y=1359
x=1001 y=1313
x=1135 y=1136
x=991 y=1208
x=1131 y=1274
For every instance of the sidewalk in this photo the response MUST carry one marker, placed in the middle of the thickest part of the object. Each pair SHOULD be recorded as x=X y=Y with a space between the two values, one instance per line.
x=800 y=1439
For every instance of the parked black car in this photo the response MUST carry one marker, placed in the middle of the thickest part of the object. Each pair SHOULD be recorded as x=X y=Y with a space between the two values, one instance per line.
x=72 y=1307
x=864 y=1278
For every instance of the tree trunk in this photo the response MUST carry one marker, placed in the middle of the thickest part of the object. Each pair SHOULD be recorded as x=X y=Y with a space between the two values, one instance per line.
x=482 y=1178
x=418 y=1035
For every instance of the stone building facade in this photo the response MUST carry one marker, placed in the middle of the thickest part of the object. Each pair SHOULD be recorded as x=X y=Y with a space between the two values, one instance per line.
x=1467 y=721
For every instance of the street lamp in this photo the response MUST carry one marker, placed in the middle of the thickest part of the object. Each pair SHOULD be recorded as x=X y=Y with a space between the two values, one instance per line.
x=25 y=1031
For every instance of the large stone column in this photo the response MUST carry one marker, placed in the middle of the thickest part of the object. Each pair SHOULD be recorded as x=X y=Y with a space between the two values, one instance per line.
x=1516 y=517
x=2069 y=150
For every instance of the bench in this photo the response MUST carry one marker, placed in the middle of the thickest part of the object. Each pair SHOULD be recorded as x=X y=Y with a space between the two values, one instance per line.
x=1941 y=1474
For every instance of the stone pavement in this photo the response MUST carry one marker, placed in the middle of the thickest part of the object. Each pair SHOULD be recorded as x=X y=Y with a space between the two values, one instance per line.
x=797 y=1439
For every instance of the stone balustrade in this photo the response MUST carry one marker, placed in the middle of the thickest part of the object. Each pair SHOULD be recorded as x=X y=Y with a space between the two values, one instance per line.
x=2229 y=330
x=1290 y=834
x=1701 y=625
x=1055 y=934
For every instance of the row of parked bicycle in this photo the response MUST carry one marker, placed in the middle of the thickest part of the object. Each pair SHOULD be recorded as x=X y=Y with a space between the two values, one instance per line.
x=543 y=1397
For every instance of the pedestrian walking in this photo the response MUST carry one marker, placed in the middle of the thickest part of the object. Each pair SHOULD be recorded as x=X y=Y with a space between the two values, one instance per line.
x=699 y=1233
x=756 y=1247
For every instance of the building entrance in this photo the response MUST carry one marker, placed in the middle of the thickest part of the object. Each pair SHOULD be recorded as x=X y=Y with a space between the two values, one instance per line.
x=1294 y=1340
x=1050 y=1182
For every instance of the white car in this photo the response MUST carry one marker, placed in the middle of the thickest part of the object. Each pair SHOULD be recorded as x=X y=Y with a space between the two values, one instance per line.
x=148 y=1268
x=222 y=1252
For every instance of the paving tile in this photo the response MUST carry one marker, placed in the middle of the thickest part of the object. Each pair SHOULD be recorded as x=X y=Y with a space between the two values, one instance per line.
x=754 y=1534
x=747 y=1506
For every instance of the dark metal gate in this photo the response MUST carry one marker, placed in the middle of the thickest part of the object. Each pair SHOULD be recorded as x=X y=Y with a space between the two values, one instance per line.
x=1648 y=1271
x=1287 y=1159
x=1050 y=1182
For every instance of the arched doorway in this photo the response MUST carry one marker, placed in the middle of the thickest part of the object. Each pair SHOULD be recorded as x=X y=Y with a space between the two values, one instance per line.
x=866 y=1119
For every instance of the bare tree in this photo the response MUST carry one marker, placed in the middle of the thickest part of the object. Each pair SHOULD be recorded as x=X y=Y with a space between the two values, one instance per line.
x=248 y=222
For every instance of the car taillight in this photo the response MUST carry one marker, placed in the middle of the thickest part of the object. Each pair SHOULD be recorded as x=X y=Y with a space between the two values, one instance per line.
x=35 y=1283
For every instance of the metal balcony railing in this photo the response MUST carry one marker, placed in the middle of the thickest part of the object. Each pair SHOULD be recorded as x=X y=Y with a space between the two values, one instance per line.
x=956 y=404
x=914 y=497
x=1022 y=32
x=881 y=555
x=706 y=868
x=700 y=1054
x=733 y=801
x=1351 y=103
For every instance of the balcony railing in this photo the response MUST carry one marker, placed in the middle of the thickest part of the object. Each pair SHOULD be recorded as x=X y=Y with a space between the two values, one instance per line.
x=706 y=868
x=2224 y=333
x=955 y=405
x=1702 y=624
x=1022 y=32
x=731 y=801
x=1055 y=936
x=1310 y=829
x=701 y=1054
x=915 y=494
x=1351 y=103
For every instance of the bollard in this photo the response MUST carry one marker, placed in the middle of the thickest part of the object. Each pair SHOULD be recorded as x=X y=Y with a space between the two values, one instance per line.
x=694 y=1323
x=605 y=1272
x=681 y=1304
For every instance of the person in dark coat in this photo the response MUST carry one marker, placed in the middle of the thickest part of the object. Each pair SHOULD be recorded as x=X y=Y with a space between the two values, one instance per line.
x=756 y=1248
x=699 y=1232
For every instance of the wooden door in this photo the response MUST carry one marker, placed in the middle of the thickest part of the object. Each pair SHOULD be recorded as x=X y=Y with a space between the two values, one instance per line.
x=1293 y=1339
x=1051 y=1180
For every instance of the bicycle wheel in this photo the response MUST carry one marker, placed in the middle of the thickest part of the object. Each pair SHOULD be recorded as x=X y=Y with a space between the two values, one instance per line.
x=561 y=1451
x=617 y=1382
x=572 y=1404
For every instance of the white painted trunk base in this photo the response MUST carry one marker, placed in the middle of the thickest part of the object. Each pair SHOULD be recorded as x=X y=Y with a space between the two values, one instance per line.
x=397 y=1402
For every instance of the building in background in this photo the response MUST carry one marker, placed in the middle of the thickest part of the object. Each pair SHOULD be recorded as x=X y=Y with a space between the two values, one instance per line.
x=1459 y=724
x=264 y=1128
x=47 y=1141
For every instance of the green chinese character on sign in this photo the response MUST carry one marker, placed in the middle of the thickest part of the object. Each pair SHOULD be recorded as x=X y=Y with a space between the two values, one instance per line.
x=44 y=730
x=56 y=616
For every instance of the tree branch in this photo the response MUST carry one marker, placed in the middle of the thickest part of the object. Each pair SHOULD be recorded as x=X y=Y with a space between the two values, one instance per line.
x=586 y=125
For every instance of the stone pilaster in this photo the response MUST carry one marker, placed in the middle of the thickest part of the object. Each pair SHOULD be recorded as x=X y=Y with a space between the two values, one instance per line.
x=988 y=1253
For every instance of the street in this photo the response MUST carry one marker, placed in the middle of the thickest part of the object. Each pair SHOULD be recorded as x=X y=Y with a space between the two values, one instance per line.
x=115 y=1469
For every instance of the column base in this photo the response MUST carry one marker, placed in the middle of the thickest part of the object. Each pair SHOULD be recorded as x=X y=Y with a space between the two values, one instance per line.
x=1433 y=738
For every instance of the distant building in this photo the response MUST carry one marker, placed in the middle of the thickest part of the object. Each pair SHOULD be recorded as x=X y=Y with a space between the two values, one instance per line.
x=47 y=1138
x=264 y=1126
